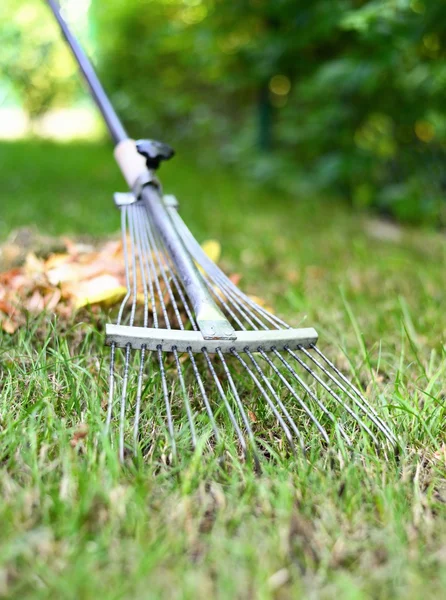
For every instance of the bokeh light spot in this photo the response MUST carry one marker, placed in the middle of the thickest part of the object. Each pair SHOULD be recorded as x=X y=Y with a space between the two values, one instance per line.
x=424 y=131
x=417 y=7
x=280 y=85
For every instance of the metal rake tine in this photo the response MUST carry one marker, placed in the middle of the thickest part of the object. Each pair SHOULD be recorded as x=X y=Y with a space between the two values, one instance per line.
x=126 y=262
x=138 y=236
x=161 y=265
x=239 y=404
x=309 y=392
x=354 y=388
x=225 y=401
x=293 y=392
x=375 y=419
x=138 y=399
x=129 y=279
x=268 y=400
x=111 y=390
x=335 y=396
x=186 y=399
x=204 y=396
x=178 y=288
x=133 y=254
x=146 y=253
x=219 y=277
x=223 y=303
x=123 y=402
x=278 y=400
x=149 y=246
x=167 y=403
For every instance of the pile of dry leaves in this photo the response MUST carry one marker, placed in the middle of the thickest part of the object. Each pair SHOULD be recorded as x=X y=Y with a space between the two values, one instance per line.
x=62 y=282
x=61 y=276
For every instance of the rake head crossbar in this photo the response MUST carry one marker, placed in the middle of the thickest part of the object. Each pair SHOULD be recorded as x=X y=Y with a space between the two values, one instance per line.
x=169 y=340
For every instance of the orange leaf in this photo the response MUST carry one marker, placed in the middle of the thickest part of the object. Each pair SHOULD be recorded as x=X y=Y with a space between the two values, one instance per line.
x=9 y=326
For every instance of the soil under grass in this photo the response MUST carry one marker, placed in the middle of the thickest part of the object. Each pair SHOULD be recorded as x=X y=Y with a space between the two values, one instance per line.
x=77 y=524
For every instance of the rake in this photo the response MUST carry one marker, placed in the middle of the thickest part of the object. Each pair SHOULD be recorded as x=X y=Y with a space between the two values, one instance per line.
x=202 y=363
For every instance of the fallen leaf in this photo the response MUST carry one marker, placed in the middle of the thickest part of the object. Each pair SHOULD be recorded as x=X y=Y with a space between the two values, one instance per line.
x=80 y=434
x=36 y=303
x=52 y=299
x=33 y=264
x=6 y=308
x=212 y=249
x=9 y=326
x=261 y=302
x=252 y=416
x=103 y=289
x=55 y=260
x=65 y=272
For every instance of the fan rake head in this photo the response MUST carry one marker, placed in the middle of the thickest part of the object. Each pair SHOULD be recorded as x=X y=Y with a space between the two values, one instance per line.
x=264 y=387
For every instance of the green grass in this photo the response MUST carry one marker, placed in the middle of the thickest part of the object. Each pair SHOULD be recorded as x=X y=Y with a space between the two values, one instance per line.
x=76 y=524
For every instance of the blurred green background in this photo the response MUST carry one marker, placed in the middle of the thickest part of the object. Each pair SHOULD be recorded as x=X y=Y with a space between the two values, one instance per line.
x=334 y=99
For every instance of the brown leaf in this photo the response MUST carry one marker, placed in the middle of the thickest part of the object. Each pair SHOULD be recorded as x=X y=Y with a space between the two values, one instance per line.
x=9 y=326
x=6 y=308
x=252 y=416
x=36 y=303
x=33 y=264
x=235 y=278
x=80 y=434
x=52 y=299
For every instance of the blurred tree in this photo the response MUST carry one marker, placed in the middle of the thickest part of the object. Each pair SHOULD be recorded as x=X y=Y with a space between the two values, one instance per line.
x=37 y=66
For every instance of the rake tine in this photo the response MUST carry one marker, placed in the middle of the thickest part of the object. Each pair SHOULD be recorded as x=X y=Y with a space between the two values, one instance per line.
x=309 y=392
x=302 y=404
x=204 y=396
x=268 y=400
x=119 y=318
x=217 y=274
x=133 y=287
x=111 y=392
x=390 y=435
x=278 y=400
x=123 y=403
x=239 y=405
x=167 y=403
x=226 y=402
x=138 y=400
x=186 y=399
x=335 y=396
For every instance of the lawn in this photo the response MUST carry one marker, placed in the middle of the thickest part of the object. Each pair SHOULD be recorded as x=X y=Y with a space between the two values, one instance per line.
x=77 y=524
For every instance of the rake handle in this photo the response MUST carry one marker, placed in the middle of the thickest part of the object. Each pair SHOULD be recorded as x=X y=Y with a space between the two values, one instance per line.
x=114 y=125
x=210 y=320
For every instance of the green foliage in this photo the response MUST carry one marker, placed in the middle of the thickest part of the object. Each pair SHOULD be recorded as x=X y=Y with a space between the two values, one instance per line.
x=347 y=96
x=355 y=88
x=38 y=69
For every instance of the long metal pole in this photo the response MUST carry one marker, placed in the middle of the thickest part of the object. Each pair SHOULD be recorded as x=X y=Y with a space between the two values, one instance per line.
x=210 y=320
x=115 y=127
